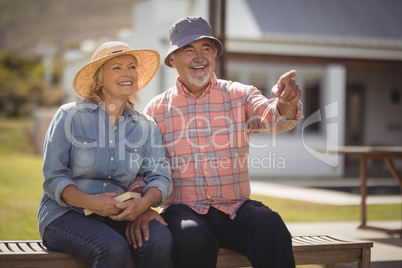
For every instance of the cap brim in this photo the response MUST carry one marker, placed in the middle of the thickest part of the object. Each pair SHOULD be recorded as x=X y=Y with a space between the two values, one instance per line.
x=187 y=40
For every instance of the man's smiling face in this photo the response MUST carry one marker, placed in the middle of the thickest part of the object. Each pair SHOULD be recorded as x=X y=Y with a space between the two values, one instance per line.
x=195 y=64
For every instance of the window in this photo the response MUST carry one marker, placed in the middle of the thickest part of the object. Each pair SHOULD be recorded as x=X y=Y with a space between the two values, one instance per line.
x=311 y=103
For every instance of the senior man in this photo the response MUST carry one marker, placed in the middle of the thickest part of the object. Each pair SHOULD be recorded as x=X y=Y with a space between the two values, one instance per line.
x=205 y=124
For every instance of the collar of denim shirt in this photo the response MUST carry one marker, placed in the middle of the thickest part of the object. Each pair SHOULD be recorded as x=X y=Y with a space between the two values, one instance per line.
x=91 y=107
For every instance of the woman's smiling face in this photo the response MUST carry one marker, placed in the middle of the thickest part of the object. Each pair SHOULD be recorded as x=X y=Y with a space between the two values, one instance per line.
x=120 y=77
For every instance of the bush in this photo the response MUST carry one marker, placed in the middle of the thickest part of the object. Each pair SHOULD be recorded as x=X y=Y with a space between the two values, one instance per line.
x=22 y=87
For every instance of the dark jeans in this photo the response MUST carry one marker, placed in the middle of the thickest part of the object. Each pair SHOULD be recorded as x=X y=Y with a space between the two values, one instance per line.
x=256 y=232
x=101 y=241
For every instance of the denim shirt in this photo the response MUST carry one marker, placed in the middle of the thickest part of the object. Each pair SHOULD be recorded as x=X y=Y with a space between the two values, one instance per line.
x=82 y=149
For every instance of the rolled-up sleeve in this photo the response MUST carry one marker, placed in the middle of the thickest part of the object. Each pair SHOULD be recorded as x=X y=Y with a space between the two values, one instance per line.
x=263 y=115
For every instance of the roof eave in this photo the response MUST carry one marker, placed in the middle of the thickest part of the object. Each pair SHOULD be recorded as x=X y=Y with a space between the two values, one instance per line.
x=355 y=48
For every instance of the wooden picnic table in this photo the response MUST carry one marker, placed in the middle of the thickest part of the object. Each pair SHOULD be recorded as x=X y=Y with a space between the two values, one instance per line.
x=386 y=153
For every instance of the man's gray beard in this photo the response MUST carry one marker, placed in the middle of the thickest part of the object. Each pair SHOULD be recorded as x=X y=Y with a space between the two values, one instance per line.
x=200 y=80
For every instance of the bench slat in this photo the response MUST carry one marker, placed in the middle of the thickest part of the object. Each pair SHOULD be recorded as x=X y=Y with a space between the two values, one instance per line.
x=317 y=239
x=37 y=246
x=13 y=247
x=325 y=242
x=324 y=257
x=25 y=247
x=4 y=248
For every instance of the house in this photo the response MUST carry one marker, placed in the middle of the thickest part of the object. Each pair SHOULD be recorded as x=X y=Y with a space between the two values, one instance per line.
x=348 y=55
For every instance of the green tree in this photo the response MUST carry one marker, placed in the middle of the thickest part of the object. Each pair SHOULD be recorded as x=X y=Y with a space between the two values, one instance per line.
x=21 y=84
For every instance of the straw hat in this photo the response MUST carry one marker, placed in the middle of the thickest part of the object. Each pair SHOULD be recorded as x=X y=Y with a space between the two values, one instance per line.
x=148 y=63
x=187 y=30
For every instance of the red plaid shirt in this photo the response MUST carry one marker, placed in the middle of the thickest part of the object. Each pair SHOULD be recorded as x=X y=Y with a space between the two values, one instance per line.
x=206 y=141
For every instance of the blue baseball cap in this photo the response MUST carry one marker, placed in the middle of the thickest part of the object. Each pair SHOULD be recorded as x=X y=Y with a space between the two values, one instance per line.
x=187 y=30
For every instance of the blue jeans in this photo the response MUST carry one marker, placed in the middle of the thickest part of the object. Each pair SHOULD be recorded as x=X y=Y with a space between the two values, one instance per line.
x=256 y=232
x=101 y=241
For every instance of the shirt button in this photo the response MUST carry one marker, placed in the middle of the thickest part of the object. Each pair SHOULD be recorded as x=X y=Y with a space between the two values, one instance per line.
x=199 y=124
x=105 y=184
x=109 y=177
x=111 y=159
x=115 y=128
x=206 y=173
x=85 y=142
x=135 y=150
x=110 y=141
x=208 y=196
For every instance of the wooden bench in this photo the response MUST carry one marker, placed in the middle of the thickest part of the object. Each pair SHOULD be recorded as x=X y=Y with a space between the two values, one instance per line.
x=318 y=249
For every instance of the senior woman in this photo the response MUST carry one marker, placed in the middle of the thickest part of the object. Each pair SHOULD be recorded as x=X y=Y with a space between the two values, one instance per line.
x=94 y=150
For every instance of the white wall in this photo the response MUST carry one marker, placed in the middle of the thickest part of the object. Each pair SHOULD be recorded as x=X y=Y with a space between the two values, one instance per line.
x=383 y=121
x=74 y=60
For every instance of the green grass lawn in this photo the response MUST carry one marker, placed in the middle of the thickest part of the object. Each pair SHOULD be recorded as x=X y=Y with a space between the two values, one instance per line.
x=298 y=211
x=20 y=193
x=21 y=189
x=20 y=181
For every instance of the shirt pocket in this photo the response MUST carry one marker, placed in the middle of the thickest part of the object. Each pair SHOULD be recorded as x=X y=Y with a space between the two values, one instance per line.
x=84 y=151
x=134 y=158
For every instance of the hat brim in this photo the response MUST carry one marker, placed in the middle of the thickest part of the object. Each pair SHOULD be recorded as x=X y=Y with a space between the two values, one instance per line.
x=187 y=40
x=148 y=64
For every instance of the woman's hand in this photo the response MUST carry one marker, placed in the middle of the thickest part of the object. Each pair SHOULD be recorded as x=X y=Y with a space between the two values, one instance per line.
x=131 y=209
x=134 y=207
x=101 y=204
